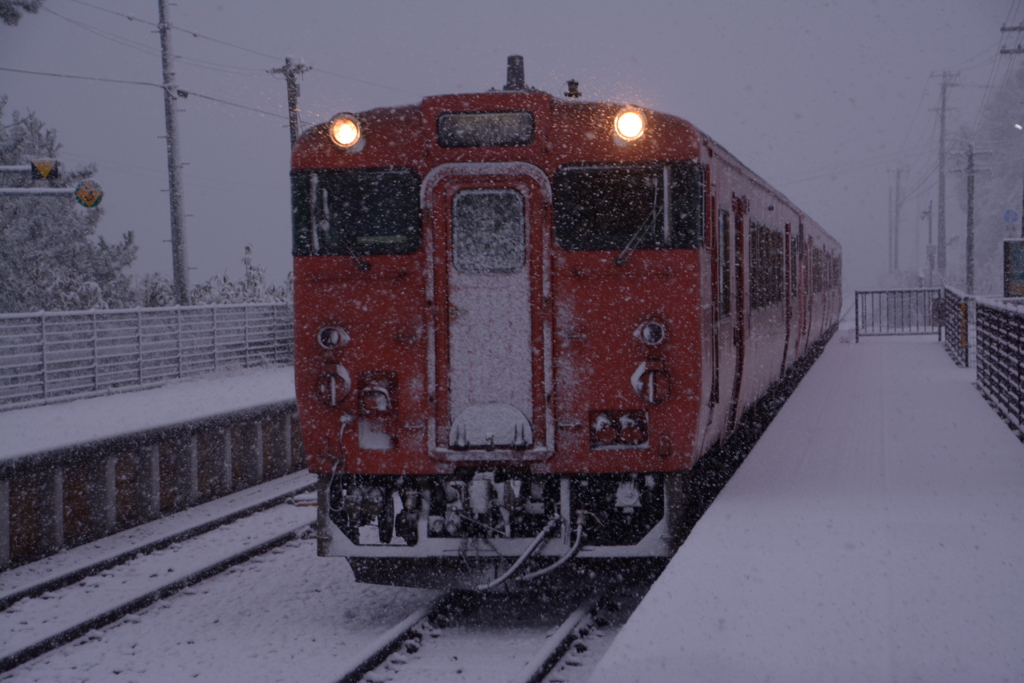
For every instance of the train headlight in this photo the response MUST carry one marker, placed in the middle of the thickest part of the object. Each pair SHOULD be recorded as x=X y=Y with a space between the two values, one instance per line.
x=332 y=337
x=651 y=333
x=630 y=124
x=345 y=130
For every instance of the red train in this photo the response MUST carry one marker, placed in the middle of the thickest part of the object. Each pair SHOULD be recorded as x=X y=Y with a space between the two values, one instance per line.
x=520 y=319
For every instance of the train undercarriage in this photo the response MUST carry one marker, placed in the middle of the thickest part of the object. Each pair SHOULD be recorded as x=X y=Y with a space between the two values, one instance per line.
x=483 y=528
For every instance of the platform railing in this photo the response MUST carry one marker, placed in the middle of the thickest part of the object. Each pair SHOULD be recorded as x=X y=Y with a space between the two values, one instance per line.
x=957 y=319
x=897 y=312
x=1000 y=357
x=49 y=357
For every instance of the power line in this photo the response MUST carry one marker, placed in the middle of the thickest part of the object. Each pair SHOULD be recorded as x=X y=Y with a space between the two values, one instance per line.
x=180 y=92
x=196 y=34
x=186 y=93
x=81 y=78
x=360 y=80
x=129 y=17
x=125 y=42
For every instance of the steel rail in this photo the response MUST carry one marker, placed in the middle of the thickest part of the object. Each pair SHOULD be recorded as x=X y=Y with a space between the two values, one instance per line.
x=41 y=647
x=371 y=656
x=557 y=644
x=76 y=574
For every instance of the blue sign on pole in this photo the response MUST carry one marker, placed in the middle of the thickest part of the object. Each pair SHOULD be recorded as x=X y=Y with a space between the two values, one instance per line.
x=1010 y=216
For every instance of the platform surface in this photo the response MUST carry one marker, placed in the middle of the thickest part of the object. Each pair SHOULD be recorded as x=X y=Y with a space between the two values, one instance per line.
x=875 y=533
x=61 y=425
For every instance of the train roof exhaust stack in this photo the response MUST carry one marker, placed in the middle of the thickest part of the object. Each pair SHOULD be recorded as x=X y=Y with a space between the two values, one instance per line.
x=516 y=73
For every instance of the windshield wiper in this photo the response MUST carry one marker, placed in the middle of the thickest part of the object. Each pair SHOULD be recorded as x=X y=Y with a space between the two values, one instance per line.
x=326 y=226
x=623 y=258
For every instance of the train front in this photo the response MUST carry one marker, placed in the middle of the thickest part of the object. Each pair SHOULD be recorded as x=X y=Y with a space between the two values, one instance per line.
x=498 y=353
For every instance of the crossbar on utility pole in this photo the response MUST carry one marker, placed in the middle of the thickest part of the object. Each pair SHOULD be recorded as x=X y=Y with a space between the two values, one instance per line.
x=290 y=71
x=179 y=253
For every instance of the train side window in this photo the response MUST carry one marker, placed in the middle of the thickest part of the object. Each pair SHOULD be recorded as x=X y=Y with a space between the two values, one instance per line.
x=724 y=263
x=356 y=211
x=488 y=232
x=792 y=267
x=603 y=207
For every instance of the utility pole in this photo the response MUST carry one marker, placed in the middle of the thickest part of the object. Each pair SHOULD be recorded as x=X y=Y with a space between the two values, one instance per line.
x=890 y=229
x=290 y=71
x=896 y=225
x=970 y=219
x=947 y=79
x=931 y=247
x=178 y=251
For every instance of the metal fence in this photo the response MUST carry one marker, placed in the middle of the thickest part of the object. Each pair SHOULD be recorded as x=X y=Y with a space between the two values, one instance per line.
x=957 y=319
x=1000 y=357
x=47 y=357
x=897 y=311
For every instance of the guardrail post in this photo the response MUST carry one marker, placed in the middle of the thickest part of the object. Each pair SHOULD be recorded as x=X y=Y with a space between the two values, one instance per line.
x=856 y=317
x=5 y=524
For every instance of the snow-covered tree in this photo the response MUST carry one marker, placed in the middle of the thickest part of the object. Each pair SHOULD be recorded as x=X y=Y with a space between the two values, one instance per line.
x=250 y=289
x=999 y=183
x=49 y=257
x=10 y=10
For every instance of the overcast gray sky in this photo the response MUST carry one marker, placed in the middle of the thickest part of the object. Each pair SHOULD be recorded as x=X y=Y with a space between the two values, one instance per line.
x=823 y=99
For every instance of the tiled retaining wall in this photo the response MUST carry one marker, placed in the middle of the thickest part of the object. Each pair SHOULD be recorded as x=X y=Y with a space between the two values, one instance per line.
x=63 y=498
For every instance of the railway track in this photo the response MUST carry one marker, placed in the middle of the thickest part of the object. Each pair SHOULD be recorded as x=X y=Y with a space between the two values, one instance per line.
x=43 y=607
x=525 y=637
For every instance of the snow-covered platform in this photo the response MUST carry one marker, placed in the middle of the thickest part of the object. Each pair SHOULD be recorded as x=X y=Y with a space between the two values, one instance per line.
x=53 y=427
x=875 y=533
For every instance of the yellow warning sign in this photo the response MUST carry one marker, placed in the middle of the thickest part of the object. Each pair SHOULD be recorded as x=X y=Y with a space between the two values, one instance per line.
x=45 y=168
x=88 y=193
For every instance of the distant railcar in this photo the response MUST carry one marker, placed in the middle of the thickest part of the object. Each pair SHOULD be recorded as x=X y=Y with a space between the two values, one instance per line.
x=521 y=319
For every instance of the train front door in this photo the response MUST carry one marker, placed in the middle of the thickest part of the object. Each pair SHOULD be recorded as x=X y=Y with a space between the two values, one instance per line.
x=491 y=272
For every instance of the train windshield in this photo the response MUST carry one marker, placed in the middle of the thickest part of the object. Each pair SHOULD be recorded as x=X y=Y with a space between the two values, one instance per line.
x=623 y=206
x=357 y=211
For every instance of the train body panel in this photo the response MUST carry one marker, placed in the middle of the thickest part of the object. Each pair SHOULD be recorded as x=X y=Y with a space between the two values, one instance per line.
x=514 y=323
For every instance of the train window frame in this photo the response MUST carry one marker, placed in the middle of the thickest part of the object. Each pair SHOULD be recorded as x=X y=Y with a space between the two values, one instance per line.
x=725 y=249
x=581 y=224
x=315 y=217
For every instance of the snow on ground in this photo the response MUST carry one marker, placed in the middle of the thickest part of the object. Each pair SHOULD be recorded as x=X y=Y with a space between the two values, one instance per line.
x=873 y=534
x=44 y=428
x=285 y=616
x=106 y=550
x=32 y=620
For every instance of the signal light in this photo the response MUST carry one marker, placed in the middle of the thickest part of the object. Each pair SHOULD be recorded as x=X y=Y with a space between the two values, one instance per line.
x=630 y=124
x=344 y=129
